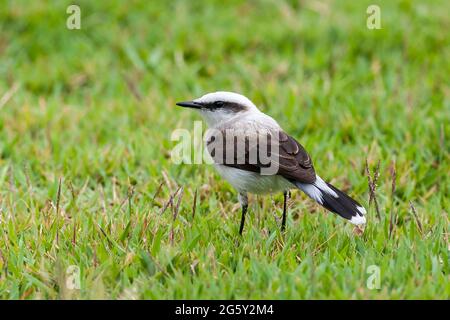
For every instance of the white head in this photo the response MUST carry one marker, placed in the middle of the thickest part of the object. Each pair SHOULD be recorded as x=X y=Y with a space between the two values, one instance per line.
x=220 y=106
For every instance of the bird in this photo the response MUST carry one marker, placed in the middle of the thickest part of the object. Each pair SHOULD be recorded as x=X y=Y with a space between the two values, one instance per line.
x=238 y=132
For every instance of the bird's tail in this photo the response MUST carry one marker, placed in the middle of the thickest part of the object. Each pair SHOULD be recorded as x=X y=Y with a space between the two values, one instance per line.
x=334 y=200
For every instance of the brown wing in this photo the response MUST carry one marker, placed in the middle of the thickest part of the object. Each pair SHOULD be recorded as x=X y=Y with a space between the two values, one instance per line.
x=291 y=159
x=295 y=163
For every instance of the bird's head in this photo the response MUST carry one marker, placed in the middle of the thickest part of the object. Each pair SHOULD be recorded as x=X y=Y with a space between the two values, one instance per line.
x=220 y=106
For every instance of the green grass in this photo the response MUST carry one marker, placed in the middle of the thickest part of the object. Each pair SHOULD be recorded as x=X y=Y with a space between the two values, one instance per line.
x=94 y=109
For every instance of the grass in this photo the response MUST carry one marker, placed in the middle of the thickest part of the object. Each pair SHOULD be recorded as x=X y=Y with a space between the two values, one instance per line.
x=85 y=171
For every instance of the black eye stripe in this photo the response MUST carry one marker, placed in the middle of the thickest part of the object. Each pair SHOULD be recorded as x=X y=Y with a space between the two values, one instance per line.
x=231 y=106
x=217 y=104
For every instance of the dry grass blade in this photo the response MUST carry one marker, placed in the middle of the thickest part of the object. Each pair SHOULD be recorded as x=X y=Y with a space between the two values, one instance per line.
x=175 y=212
x=416 y=217
x=111 y=242
x=446 y=234
x=194 y=205
x=369 y=182
x=166 y=205
x=177 y=207
x=158 y=190
x=393 y=188
x=132 y=86
x=72 y=191
x=56 y=221
x=8 y=95
x=170 y=201
x=130 y=197
x=58 y=197
x=74 y=235
x=375 y=180
x=376 y=174
x=105 y=235
x=166 y=178
x=373 y=185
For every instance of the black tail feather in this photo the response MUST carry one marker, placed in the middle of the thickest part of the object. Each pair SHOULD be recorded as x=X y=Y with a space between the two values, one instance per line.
x=334 y=200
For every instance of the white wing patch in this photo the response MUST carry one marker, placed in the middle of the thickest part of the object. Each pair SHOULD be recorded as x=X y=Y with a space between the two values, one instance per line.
x=319 y=183
x=312 y=191
x=316 y=189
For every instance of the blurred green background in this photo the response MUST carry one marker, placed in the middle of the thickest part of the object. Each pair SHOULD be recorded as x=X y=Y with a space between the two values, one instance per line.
x=90 y=112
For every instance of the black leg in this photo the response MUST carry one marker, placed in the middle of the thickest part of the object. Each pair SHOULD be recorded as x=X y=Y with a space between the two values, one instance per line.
x=243 y=200
x=244 y=211
x=286 y=194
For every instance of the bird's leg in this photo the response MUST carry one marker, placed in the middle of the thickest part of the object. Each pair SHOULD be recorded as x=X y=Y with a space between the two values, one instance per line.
x=243 y=199
x=286 y=195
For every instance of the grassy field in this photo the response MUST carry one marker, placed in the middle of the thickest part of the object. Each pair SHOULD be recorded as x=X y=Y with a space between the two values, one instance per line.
x=86 y=118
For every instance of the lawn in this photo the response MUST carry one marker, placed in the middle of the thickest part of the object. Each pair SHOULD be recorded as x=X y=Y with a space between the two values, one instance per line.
x=89 y=192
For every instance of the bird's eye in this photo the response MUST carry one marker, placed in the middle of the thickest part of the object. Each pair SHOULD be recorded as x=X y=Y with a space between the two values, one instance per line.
x=219 y=104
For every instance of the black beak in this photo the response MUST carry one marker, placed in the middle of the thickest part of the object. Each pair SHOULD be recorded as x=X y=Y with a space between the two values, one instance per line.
x=189 y=104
